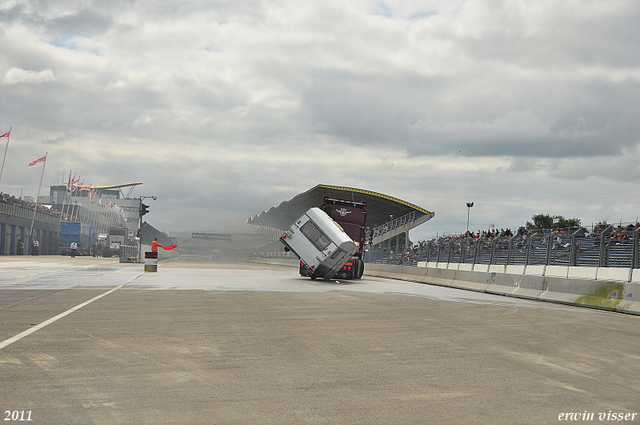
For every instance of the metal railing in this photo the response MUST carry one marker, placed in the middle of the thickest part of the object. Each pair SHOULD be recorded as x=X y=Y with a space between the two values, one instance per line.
x=394 y=224
x=22 y=212
x=609 y=248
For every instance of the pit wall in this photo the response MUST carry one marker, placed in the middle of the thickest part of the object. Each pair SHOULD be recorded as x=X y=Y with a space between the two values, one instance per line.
x=606 y=288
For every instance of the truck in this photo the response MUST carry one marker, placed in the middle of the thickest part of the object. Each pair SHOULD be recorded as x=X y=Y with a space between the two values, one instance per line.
x=321 y=244
x=102 y=246
x=84 y=235
x=352 y=217
x=116 y=238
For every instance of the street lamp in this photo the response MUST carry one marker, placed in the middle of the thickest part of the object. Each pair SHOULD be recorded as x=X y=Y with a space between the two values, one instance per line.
x=469 y=205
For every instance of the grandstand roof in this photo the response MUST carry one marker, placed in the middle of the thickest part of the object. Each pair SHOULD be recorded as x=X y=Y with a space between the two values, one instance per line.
x=380 y=207
x=115 y=186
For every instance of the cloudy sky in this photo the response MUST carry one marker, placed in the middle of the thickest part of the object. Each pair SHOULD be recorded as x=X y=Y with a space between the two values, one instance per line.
x=225 y=108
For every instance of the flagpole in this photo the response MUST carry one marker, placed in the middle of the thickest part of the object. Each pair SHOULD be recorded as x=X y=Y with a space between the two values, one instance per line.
x=64 y=200
x=37 y=196
x=70 y=194
x=74 y=208
x=5 y=153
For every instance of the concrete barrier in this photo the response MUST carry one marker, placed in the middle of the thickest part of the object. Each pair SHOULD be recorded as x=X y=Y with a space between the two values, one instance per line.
x=414 y=274
x=515 y=269
x=615 y=295
x=465 y=267
x=483 y=268
x=373 y=269
x=566 y=291
x=473 y=281
x=556 y=271
x=517 y=285
x=631 y=298
x=496 y=268
x=441 y=277
x=534 y=270
x=614 y=274
x=389 y=271
x=582 y=273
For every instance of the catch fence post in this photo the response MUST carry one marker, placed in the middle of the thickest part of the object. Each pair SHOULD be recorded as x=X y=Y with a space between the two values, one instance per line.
x=636 y=246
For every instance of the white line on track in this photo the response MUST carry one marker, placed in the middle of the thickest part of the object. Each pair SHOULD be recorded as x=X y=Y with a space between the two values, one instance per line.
x=36 y=328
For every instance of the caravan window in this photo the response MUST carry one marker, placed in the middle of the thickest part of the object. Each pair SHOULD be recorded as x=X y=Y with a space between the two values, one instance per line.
x=315 y=235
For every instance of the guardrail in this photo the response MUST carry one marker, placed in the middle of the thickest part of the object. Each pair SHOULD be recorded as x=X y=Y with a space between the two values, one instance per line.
x=606 y=249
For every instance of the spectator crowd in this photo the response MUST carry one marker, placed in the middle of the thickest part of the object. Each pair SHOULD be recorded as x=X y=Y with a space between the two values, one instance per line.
x=5 y=198
x=561 y=239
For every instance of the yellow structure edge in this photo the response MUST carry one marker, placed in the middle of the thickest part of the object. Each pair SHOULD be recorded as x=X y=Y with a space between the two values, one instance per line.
x=379 y=195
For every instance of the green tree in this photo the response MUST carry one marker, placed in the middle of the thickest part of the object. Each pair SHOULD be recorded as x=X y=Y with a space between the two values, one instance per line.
x=546 y=221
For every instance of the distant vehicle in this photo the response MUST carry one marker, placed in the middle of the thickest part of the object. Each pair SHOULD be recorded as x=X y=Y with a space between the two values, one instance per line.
x=321 y=244
x=116 y=239
x=84 y=235
x=102 y=246
x=352 y=217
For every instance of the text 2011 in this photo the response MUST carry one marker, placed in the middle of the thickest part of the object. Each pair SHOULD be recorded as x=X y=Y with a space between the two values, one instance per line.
x=17 y=415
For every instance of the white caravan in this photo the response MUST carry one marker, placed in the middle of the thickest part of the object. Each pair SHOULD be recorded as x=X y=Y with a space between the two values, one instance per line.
x=320 y=243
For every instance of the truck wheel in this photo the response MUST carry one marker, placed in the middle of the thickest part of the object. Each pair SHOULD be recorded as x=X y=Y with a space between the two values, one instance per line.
x=360 y=271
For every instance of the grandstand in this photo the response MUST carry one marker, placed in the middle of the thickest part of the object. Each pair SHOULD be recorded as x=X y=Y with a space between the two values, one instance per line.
x=389 y=219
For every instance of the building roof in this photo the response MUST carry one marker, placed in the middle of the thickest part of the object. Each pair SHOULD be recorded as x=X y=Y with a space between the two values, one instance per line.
x=380 y=208
x=114 y=186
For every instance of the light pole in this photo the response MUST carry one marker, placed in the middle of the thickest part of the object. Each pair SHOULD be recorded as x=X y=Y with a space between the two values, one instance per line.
x=142 y=210
x=469 y=205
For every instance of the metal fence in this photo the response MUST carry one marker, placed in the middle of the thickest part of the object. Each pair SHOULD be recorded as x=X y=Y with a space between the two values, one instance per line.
x=613 y=247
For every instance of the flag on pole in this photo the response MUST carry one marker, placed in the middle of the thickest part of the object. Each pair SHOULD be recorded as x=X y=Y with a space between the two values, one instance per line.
x=7 y=134
x=32 y=163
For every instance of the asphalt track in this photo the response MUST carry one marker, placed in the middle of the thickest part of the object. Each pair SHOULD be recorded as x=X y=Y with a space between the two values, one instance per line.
x=92 y=341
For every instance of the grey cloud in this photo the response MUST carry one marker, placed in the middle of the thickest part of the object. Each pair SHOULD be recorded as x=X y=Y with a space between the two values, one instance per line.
x=11 y=15
x=43 y=15
x=85 y=22
x=555 y=118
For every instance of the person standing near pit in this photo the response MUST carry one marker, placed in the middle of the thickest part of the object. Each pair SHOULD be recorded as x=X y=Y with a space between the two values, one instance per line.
x=155 y=244
x=74 y=249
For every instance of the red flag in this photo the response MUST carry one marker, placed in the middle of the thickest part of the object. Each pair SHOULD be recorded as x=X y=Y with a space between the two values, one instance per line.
x=32 y=163
x=5 y=134
x=170 y=247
